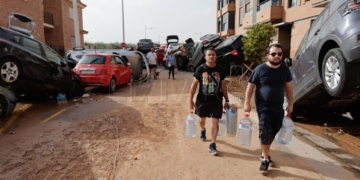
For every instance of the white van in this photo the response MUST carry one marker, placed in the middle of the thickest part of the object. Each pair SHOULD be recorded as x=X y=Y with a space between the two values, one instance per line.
x=134 y=57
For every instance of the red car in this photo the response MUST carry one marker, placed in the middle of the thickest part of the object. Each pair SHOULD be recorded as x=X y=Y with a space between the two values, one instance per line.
x=104 y=70
x=160 y=53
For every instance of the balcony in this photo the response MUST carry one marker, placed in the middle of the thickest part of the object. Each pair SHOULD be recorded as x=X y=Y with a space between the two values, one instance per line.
x=48 y=20
x=227 y=33
x=228 y=8
x=270 y=11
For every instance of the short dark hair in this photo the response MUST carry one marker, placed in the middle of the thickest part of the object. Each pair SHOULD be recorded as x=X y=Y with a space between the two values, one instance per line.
x=209 y=49
x=274 y=45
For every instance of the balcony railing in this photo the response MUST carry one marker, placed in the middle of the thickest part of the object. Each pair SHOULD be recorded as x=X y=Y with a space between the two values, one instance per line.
x=268 y=3
x=48 y=18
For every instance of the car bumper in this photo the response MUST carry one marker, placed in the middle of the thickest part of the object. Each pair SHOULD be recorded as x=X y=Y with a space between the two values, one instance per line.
x=102 y=80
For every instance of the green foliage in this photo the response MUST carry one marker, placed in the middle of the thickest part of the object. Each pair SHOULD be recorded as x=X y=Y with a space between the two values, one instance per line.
x=259 y=37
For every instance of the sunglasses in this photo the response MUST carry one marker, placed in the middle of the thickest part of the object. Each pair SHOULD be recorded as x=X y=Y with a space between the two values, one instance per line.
x=274 y=54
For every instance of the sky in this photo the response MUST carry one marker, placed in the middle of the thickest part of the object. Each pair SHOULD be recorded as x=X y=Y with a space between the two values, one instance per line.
x=185 y=18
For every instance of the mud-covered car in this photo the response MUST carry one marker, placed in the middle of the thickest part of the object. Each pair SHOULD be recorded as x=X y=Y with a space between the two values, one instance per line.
x=183 y=52
x=32 y=66
x=197 y=52
x=326 y=66
x=229 y=54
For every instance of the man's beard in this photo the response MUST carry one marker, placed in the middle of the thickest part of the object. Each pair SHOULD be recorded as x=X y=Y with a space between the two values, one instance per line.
x=274 y=63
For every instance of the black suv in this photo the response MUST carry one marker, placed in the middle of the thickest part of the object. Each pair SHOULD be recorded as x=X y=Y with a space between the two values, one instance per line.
x=145 y=45
x=326 y=66
x=31 y=66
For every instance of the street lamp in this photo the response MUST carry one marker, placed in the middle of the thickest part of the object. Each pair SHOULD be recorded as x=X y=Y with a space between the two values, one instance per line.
x=146 y=29
x=199 y=34
x=122 y=2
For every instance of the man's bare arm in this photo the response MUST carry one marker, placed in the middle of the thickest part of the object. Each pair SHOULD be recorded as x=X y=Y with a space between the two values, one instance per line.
x=249 y=92
x=289 y=96
x=224 y=90
x=193 y=88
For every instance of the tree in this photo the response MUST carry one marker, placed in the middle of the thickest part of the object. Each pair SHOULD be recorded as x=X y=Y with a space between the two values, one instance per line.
x=258 y=38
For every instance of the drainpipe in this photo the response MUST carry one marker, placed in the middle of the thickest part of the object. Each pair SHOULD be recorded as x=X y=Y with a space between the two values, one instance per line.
x=76 y=24
x=255 y=4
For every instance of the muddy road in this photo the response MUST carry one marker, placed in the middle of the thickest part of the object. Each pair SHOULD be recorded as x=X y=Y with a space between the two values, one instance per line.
x=137 y=132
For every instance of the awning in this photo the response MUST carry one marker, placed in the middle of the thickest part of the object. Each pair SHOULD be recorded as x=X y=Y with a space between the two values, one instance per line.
x=283 y=24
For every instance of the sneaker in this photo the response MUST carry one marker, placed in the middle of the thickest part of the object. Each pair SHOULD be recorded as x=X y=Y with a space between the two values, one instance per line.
x=212 y=149
x=271 y=163
x=203 y=135
x=264 y=167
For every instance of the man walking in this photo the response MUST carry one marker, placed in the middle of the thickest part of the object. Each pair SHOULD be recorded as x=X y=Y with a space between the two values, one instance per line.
x=270 y=80
x=209 y=98
x=151 y=58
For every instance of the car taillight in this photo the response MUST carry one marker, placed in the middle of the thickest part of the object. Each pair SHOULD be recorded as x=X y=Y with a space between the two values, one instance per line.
x=354 y=4
x=103 y=72
x=204 y=42
x=0 y=40
x=138 y=43
x=234 y=52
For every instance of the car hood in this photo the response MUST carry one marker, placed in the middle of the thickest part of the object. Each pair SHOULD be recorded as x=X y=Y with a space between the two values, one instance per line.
x=21 y=23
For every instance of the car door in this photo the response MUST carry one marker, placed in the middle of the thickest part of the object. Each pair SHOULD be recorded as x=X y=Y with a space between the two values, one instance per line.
x=114 y=70
x=124 y=74
x=36 y=65
x=59 y=72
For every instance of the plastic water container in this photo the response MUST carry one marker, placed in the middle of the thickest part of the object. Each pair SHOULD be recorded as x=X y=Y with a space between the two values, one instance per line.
x=190 y=125
x=231 y=122
x=58 y=98
x=286 y=131
x=222 y=124
x=64 y=100
x=245 y=131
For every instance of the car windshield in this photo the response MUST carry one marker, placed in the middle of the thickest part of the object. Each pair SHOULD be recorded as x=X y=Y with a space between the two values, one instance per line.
x=92 y=60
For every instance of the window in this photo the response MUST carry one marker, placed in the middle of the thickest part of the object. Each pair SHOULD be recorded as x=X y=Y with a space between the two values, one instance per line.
x=112 y=60
x=292 y=3
x=224 y=23
x=16 y=39
x=219 y=24
x=51 y=55
x=32 y=45
x=71 y=13
x=241 y=2
x=119 y=61
x=240 y=17
x=247 y=6
x=301 y=46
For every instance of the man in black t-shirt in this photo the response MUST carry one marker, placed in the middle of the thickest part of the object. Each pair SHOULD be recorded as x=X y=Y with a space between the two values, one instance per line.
x=212 y=89
x=270 y=79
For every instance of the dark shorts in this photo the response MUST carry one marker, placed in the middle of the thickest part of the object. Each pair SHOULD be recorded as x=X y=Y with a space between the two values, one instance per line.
x=211 y=109
x=269 y=125
x=152 y=66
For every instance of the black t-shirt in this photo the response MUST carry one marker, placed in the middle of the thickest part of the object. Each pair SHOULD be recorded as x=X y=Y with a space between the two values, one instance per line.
x=210 y=87
x=270 y=86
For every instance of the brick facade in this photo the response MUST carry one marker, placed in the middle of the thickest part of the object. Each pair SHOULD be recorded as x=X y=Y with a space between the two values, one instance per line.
x=57 y=35
x=292 y=22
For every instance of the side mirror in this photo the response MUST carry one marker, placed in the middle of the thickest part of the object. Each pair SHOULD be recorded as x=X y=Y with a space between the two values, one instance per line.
x=288 y=62
x=63 y=63
x=129 y=64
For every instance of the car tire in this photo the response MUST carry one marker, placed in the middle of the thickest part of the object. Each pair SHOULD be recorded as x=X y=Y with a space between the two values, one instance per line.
x=180 y=62
x=112 y=85
x=12 y=69
x=3 y=106
x=335 y=67
x=75 y=90
x=191 y=68
x=131 y=79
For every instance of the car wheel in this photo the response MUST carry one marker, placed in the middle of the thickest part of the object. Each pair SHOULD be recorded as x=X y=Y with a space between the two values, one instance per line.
x=112 y=85
x=75 y=90
x=10 y=71
x=180 y=62
x=192 y=68
x=3 y=106
x=338 y=76
x=131 y=80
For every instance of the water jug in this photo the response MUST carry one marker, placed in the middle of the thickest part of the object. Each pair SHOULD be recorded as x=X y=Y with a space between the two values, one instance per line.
x=59 y=99
x=222 y=124
x=231 y=122
x=245 y=130
x=190 y=124
x=286 y=131
x=63 y=99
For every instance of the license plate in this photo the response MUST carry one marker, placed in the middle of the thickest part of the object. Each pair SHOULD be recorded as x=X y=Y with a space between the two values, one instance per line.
x=87 y=71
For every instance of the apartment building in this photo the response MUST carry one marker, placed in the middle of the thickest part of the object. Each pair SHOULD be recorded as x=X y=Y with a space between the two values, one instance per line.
x=54 y=20
x=292 y=18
